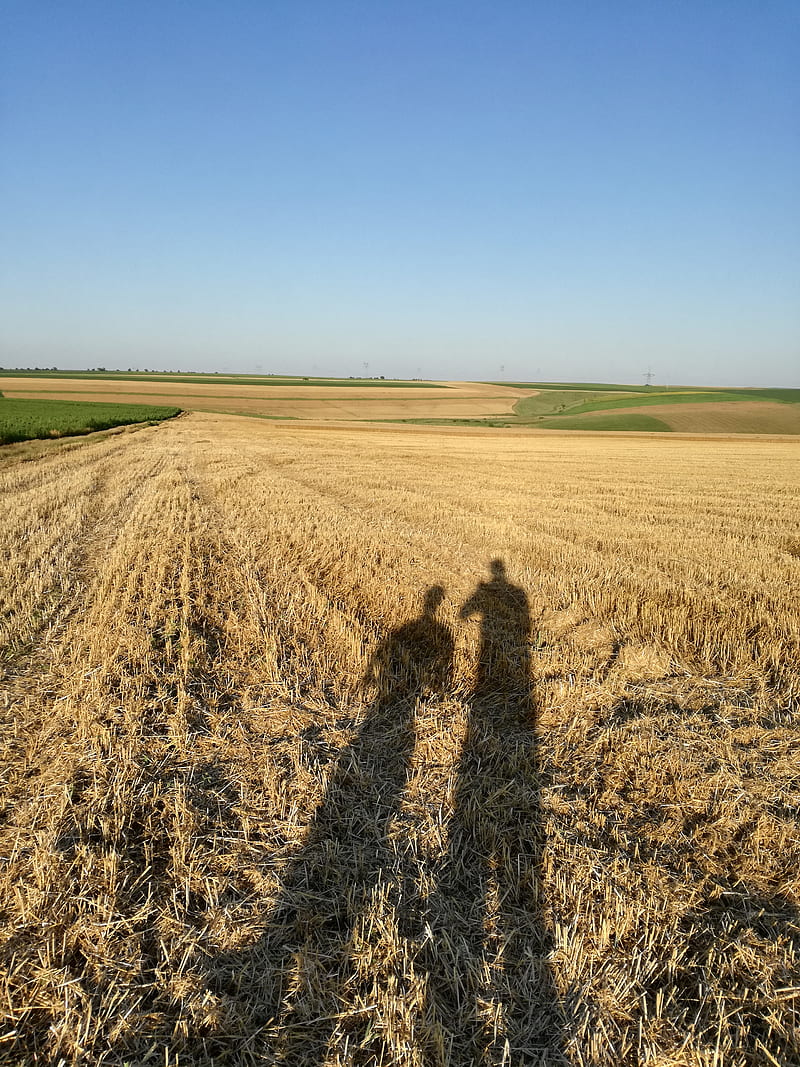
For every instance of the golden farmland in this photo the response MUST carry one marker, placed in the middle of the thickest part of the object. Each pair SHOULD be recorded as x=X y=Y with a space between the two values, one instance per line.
x=301 y=401
x=389 y=747
x=538 y=406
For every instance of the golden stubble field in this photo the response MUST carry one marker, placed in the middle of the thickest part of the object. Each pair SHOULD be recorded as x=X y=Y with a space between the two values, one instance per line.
x=300 y=401
x=379 y=747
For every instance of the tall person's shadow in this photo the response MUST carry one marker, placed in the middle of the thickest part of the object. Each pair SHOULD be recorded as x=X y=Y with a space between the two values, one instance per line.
x=291 y=990
x=492 y=998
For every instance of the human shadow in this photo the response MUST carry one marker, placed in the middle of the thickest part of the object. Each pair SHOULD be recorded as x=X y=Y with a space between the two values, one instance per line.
x=287 y=992
x=491 y=997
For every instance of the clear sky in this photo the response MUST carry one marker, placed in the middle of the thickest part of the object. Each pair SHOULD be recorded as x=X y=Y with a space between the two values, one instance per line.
x=551 y=190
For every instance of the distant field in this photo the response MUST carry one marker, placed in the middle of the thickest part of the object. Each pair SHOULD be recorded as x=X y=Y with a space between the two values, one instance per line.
x=610 y=401
x=743 y=417
x=329 y=746
x=532 y=405
x=789 y=396
x=603 y=387
x=223 y=379
x=626 y=421
x=688 y=414
x=25 y=420
x=692 y=411
x=345 y=400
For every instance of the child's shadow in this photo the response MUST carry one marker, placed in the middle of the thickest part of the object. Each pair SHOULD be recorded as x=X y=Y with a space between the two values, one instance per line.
x=287 y=992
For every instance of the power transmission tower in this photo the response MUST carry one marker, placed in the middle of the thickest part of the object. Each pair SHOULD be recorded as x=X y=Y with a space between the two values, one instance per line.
x=648 y=377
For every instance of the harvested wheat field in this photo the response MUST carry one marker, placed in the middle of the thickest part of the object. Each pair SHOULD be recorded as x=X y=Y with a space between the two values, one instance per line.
x=327 y=747
x=303 y=400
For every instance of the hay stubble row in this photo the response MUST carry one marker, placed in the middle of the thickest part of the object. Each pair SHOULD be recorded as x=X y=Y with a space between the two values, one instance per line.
x=244 y=823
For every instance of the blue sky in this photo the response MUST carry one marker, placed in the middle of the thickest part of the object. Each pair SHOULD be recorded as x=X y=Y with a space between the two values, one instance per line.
x=555 y=190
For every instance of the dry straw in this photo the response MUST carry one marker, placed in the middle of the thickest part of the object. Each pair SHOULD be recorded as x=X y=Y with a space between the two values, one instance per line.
x=293 y=774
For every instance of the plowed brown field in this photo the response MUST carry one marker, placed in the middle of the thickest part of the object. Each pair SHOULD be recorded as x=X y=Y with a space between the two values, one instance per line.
x=336 y=747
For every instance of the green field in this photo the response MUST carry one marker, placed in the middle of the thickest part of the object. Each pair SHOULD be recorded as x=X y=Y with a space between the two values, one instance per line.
x=705 y=397
x=575 y=406
x=607 y=422
x=785 y=396
x=550 y=401
x=26 y=420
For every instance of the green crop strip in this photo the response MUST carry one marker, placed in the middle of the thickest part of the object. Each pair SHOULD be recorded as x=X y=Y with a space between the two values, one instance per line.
x=26 y=420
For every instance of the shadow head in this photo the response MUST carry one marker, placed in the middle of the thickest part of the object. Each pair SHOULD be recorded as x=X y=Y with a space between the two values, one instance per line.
x=433 y=598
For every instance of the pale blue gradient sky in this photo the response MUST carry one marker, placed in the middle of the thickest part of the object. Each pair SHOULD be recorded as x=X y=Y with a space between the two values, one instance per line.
x=565 y=190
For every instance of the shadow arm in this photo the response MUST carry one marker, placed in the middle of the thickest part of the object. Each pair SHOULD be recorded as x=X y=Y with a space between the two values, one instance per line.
x=472 y=606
